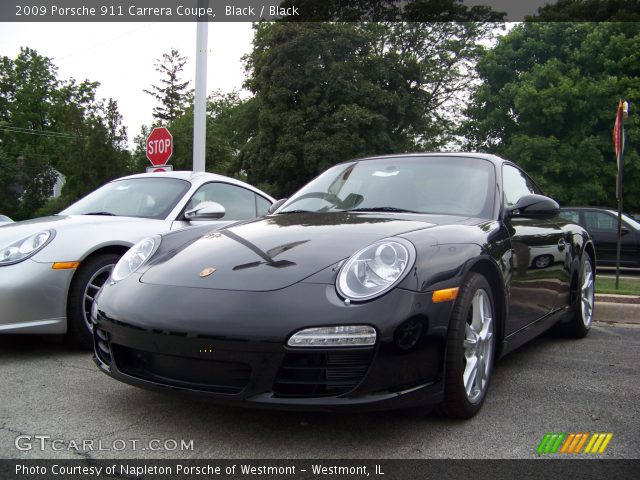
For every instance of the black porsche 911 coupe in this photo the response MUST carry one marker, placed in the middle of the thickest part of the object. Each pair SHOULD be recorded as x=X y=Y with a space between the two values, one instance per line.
x=386 y=282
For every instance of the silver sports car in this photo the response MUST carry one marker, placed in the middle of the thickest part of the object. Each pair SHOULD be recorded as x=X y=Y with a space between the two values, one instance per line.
x=52 y=267
x=4 y=219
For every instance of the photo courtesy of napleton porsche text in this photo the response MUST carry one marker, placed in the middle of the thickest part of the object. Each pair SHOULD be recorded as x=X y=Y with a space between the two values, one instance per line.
x=307 y=239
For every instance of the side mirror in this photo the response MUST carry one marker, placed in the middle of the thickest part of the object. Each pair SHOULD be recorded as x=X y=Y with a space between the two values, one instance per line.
x=624 y=231
x=534 y=206
x=276 y=205
x=205 y=211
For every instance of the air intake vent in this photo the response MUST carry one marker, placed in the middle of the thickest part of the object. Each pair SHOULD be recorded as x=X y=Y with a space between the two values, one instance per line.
x=183 y=372
x=321 y=374
x=101 y=344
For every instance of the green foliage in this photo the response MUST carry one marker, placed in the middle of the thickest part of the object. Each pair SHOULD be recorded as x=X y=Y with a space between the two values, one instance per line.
x=53 y=206
x=172 y=93
x=49 y=125
x=588 y=11
x=548 y=101
x=326 y=92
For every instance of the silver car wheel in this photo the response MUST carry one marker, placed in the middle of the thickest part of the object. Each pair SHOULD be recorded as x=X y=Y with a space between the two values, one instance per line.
x=587 y=291
x=478 y=346
x=93 y=286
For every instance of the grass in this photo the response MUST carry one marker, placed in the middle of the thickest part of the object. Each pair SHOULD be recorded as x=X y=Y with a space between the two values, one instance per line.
x=627 y=286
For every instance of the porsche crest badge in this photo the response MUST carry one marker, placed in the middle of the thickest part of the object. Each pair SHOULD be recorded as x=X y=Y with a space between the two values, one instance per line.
x=206 y=272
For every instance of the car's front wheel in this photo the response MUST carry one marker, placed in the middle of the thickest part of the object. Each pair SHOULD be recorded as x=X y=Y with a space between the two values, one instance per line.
x=470 y=348
x=91 y=275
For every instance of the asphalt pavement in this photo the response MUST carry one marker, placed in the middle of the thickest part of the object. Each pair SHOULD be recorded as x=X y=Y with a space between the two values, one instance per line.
x=54 y=396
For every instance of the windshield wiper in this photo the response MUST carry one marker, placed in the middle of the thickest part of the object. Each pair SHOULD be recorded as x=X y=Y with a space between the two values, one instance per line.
x=379 y=209
x=100 y=213
x=296 y=211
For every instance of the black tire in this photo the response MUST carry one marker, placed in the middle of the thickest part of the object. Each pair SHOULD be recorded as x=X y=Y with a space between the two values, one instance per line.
x=458 y=402
x=78 y=330
x=582 y=302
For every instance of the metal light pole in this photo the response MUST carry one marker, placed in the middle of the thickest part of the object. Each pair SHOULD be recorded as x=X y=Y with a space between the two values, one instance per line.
x=200 y=97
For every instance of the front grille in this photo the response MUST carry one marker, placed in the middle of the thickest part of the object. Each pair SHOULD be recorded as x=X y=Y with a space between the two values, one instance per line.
x=321 y=374
x=101 y=346
x=183 y=372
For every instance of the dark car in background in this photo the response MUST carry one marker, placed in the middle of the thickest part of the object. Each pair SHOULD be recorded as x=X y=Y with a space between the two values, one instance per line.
x=387 y=282
x=602 y=224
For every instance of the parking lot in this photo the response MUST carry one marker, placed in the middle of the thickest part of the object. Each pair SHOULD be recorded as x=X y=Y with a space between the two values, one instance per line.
x=550 y=385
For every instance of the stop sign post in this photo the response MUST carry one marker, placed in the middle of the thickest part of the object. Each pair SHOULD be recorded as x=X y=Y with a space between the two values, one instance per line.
x=159 y=146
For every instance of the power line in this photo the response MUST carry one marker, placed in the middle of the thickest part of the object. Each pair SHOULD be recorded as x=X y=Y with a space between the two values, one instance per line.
x=45 y=133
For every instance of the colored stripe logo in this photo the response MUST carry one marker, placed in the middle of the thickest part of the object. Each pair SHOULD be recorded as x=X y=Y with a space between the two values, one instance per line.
x=573 y=443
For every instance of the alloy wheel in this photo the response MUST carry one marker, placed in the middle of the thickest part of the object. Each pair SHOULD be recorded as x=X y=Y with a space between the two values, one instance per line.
x=587 y=294
x=93 y=286
x=478 y=346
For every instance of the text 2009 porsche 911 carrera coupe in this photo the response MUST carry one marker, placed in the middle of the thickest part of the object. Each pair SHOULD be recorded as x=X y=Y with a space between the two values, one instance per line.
x=386 y=282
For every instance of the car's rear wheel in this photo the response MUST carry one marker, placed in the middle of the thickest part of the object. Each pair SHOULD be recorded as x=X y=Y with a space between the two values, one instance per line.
x=91 y=275
x=583 y=301
x=470 y=348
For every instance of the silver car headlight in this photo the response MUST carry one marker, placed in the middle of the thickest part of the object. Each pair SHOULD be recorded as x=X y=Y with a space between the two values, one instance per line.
x=135 y=257
x=25 y=247
x=375 y=269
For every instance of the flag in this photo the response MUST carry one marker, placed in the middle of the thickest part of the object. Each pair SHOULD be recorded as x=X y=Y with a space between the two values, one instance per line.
x=618 y=142
x=617 y=132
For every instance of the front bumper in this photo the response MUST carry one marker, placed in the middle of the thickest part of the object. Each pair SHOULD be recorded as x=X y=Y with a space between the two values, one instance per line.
x=33 y=298
x=159 y=338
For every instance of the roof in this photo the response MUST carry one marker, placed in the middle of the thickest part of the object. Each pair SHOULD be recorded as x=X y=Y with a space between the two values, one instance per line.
x=181 y=174
x=485 y=156
x=195 y=178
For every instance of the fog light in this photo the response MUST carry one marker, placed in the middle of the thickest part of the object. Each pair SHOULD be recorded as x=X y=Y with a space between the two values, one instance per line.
x=339 y=336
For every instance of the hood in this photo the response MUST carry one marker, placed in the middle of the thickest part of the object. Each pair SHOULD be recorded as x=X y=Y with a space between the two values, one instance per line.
x=279 y=250
x=11 y=232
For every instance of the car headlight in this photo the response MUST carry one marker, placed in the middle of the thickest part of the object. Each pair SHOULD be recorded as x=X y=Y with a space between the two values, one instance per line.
x=135 y=257
x=25 y=247
x=375 y=269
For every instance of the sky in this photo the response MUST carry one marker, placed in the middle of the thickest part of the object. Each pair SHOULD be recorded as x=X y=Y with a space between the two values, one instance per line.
x=121 y=57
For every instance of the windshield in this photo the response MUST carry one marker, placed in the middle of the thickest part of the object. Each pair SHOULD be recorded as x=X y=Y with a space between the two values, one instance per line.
x=133 y=197
x=438 y=185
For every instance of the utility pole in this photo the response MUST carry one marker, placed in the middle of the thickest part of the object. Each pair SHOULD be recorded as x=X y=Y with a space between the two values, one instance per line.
x=200 y=97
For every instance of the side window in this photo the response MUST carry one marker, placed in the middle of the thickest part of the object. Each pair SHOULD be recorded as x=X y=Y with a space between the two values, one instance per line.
x=239 y=203
x=516 y=184
x=571 y=215
x=602 y=222
x=262 y=204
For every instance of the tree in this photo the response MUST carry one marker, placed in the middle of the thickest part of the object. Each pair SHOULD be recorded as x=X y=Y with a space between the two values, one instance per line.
x=48 y=125
x=588 y=11
x=325 y=92
x=548 y=101
x=172 y=93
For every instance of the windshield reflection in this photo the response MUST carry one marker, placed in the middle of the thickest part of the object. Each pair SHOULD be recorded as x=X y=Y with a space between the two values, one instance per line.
x=435 y=185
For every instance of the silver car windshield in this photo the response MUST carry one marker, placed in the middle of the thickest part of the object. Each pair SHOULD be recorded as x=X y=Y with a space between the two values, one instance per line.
x=434 y=185
x=133 y=197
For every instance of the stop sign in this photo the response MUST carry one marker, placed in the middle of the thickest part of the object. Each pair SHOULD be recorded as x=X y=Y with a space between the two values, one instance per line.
x=159 y=146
